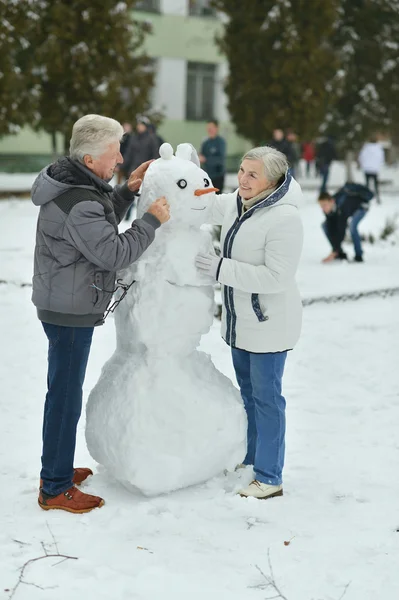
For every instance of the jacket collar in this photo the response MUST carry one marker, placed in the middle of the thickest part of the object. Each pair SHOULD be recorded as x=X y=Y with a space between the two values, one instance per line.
x=72 y=172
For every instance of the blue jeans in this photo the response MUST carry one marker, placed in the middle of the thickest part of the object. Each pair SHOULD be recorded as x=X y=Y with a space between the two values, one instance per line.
x=324 y=171
x=357 y=217
x=260 y=379
x=68 y=353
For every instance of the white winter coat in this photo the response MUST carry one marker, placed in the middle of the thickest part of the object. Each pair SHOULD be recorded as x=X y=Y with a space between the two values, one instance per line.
x=371 y=158
x=262 y=309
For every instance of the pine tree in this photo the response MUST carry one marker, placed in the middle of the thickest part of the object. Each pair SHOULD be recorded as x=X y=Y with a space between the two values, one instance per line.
x=16 y=105
x=280 y=59
x=367 y=82
x=88 y=58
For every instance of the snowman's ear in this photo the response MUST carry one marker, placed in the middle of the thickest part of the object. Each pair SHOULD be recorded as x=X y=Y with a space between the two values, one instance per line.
x=188 y=152
x=166 y=151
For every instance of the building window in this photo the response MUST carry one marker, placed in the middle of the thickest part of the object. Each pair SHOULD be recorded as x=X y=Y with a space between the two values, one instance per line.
x=200 y=91
x=148 y=5
x=201 y=8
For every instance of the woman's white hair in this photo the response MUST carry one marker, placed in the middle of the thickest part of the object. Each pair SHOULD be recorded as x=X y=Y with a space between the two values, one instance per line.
x=274 y=162
x=92 y=134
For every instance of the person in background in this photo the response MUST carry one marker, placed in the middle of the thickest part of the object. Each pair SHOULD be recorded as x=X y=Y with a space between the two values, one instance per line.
x=280 y=143
x=152 y=129
x=213 y=155
x=371 y=160
x=262 y=311
x=325 y=155
x=77 y=254
x=350 y=202
x=120 y=171
x=308 y=155
x=143 y=146
x=292 y=138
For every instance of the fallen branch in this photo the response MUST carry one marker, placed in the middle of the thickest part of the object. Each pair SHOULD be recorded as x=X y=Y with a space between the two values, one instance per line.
x=270 y=580
x=271 y=583
x=47 y=554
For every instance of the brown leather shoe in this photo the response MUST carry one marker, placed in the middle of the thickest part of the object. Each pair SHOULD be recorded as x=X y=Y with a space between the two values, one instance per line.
x=72 y=501
x=80 y=474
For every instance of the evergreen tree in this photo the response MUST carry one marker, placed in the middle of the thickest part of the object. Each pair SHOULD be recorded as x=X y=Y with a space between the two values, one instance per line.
x=367 y=82
x=87 y=59
x=15 y=103
x=280 y=58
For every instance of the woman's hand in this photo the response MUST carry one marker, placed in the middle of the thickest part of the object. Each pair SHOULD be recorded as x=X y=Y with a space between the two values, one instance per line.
x=208 y=264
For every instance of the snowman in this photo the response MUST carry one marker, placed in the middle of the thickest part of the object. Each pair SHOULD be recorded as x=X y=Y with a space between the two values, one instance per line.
x=162 y=417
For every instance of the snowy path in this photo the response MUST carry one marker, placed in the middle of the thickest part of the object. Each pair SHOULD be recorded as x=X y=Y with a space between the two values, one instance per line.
x=341 y=479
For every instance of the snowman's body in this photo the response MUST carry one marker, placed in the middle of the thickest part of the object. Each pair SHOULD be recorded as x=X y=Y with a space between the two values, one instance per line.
x=161 y=416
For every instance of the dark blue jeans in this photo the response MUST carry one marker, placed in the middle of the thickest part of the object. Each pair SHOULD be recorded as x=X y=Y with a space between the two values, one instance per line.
x=324 y=171
x=260 y=379
x=68 y=353
x=357 y=243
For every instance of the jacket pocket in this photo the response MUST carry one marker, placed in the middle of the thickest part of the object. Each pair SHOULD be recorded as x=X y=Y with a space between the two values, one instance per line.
x=256 y=307
x=104 y=284
x=98 y=286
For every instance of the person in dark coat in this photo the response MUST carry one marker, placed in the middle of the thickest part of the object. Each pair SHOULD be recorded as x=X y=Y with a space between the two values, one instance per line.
x=325 y=154
x=213 y=155
x=143 y=146
x=121 y=171
x=350 y=202
x=280 y=143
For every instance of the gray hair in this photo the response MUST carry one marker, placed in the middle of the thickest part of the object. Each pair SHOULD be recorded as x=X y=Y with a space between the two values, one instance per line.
x=92 y=134
x=274 y=162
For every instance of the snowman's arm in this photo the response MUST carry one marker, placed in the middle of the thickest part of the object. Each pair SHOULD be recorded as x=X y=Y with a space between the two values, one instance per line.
x=219 y=206
x=121 y=198
x=87 y=230
x=282 y=252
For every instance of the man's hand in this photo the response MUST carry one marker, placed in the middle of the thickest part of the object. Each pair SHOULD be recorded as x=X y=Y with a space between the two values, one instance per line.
x=160 y=209
x=136 y=178
x=330 y=257
x=202 y=158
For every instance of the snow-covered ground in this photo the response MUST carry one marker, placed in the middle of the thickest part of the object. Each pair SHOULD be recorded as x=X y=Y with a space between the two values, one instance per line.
x=340 y=509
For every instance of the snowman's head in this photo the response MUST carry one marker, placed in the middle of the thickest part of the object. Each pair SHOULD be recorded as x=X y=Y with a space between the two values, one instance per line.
x=179 y=178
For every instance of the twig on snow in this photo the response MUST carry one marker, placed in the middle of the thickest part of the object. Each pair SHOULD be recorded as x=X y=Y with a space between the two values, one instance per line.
x=345 y=590
x=21 y=578
x=270 y=580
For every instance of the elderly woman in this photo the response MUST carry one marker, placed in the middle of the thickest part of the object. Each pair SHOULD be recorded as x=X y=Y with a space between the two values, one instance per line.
x=261 y=243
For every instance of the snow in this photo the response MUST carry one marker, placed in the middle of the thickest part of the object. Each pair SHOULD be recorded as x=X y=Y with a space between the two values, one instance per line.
x=16 y=181
x=339 y=511
x=160 y=407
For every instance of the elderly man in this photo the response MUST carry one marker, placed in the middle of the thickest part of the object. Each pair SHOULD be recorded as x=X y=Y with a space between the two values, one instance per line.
x=78 y=251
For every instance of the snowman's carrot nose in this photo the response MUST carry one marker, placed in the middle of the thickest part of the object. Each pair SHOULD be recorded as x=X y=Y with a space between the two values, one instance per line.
x=205 y=191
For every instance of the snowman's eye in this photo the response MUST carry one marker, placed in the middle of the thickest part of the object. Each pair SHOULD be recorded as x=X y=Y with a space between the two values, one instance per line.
x=206 y=182
x=182 y=183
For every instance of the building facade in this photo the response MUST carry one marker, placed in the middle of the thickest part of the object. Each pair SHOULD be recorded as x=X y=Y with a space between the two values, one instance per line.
x=190 y=73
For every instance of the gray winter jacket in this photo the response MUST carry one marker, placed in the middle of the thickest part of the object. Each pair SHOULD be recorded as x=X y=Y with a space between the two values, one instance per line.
x=78 y=248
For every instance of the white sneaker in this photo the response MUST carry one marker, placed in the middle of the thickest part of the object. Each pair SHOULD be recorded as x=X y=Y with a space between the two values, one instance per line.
x=262 y=491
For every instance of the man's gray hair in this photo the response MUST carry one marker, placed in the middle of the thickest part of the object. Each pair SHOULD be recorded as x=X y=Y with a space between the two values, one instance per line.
x=275 y=162
x=92 y=134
